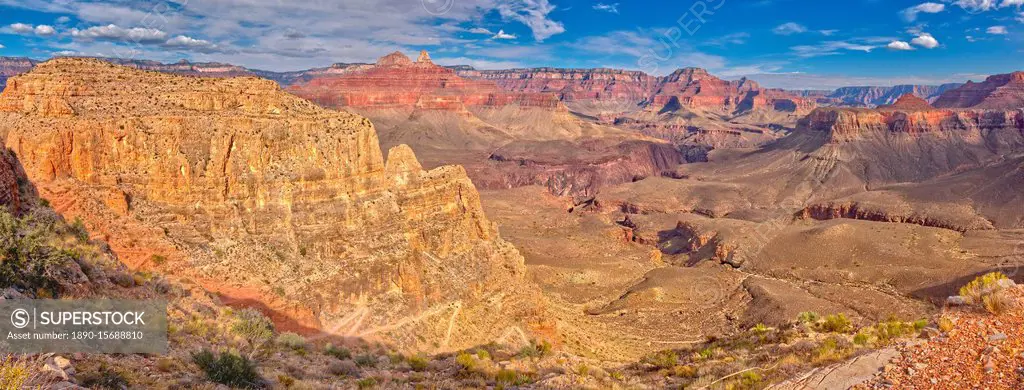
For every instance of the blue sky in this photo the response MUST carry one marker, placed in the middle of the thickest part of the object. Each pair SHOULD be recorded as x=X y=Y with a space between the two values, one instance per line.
x=784 y=43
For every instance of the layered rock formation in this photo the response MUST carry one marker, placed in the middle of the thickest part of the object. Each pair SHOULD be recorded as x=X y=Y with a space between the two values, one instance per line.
x=878 y=96
x=13 y=66
x=624 y=90
x=270 y=200
x=998 y=92
x=398 y=82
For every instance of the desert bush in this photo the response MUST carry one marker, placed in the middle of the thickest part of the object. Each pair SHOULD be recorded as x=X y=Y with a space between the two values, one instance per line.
x=77 y=229
x=982 y=286
x=365 y=360
x=419 y=362
x=508 y=377
x=32 y=252
x=808 y=317
x=536 y=349
x=16 y=374
x=946 y=324
x=251 y=325
x=861 y=338
x=104 y=378
x=997 y=302
x=467 y=361
x=662 y=359
x=228 y=369
x=291 y=340
x=343 y=368
x=836 y=323
x=367 y=383
x=341 y=353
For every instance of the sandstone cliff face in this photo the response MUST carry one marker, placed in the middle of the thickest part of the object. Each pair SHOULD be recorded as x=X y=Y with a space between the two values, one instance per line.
x=269 y=199
x=998 y=92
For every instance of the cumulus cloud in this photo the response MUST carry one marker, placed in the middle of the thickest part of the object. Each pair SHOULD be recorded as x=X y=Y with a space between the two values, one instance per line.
x=899 y=45
x=45 y=30
x=910 y=14
x=182 y=41
x=612 y=8
x=926 y=41
x=789 y=29
x=63 y=19
x=21 y=28
x=997 y=30
x=41 y=30
x=503 y=35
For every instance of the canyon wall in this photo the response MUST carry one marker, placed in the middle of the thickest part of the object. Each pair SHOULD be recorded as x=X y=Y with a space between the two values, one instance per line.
x=271 y=201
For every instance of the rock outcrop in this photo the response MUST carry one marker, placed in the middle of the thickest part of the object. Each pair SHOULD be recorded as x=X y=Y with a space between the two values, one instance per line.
x=849 y=123
x=909 y=102
x=998 y=92
x=270 y=200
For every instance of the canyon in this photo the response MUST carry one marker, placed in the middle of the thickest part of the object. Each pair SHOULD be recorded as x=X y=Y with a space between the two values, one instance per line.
x=610 y=213
x=268 y=199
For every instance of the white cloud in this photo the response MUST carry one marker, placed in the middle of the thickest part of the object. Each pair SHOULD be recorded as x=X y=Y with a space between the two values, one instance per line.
x=828 y=33
x=2 y=46
x=186 y=42
x=613 y=8
x=21 y=28
x=976 y=5
x=44 y=30
x=63 y=19
x=503 y=35
x=477 y=63
x=971 y=39
x=534 y=14
x=1020 y=17
x=910 y=14
x=481 y=30
x=113 y=32
x=899 y=45
x=926 y=41
x=789 y=29
x=997 y=30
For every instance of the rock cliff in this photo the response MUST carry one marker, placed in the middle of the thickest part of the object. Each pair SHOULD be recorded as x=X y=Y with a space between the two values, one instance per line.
x=269 y=200
x=396 y=81
x=878 y=96
x=997 y=92
x=13 y=66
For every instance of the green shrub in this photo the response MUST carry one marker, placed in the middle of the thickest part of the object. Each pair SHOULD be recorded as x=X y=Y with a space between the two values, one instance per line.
x=808 y=317
x=367 y=383
x=418 y=363
x=836 y=323
x=292 y=340
x=104 y=378
x=662 y=359
x=14 y=374
x=77 y=229
x=920 y=324
x=861 y=338
x=750 y=379
x=254 y=327
x=228 y=369
x=537 y=349
x=982 y=286
x=467 y=361
x=365 y=360
x=158 y=260
x=508 y=377
x=341 y=353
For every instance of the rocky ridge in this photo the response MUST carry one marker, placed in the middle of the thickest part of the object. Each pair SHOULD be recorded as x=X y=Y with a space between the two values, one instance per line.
x=270 y=200
x=997 y=92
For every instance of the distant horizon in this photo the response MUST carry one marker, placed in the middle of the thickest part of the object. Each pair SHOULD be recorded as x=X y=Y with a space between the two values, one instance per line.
x=761 y=80
x=792 y=44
